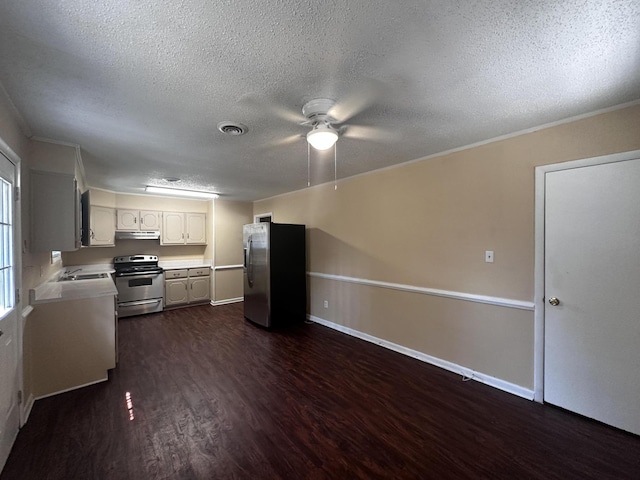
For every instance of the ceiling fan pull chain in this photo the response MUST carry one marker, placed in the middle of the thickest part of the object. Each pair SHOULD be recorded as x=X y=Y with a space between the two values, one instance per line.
x=308 y=165
x=335 y=166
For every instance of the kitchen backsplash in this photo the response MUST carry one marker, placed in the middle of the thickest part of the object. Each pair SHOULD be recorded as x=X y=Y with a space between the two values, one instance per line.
x=92 y=255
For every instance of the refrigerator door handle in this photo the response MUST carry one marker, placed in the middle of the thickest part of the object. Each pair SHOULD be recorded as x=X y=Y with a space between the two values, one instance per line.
x=250 y=262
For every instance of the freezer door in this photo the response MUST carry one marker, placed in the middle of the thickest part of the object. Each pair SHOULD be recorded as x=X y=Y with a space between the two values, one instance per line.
x=256 y=273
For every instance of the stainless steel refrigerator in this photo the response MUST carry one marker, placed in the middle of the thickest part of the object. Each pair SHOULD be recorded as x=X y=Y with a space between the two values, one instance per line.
x=275 y=283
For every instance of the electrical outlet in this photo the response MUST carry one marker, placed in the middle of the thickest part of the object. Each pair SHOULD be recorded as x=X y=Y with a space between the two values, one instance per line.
x=488 y=256
x=325 y=304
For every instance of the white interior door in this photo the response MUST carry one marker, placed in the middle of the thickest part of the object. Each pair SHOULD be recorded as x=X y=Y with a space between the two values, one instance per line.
x=592 y=267
x=9 y=366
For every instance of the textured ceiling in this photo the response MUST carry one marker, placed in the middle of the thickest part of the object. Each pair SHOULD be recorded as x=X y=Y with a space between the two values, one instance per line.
x=141 y=85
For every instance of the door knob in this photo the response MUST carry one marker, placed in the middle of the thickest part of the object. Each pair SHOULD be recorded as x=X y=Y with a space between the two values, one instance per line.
x=554 y=301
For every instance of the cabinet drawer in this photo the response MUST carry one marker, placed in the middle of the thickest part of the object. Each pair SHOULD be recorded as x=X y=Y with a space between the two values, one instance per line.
x=175 y=274
x=199 y=272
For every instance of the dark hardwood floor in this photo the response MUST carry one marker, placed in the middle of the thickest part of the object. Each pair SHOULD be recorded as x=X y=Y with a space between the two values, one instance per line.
x=200 y=393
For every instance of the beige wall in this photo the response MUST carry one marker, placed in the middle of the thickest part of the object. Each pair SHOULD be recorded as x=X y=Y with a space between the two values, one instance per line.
x=428 y=224
x=12 y=128
x=53 y=157
x=164 y=204
x=229 y=219
x=104 y=255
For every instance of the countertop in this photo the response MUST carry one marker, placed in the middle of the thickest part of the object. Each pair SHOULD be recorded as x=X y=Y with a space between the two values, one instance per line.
x=54 y=291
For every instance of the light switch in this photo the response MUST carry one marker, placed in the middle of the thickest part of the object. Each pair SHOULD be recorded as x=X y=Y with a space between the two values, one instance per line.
x=488 y=256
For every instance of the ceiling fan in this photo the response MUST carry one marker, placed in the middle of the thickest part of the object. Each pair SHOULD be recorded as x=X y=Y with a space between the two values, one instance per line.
x=323 y=134
x=322 y=116
x=327 y=118
x=327 y=121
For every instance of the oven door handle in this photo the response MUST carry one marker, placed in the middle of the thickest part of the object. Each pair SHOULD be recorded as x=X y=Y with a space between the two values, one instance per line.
x=154 y=274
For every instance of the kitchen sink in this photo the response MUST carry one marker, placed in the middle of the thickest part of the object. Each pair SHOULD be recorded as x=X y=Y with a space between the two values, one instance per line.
x=83 y=276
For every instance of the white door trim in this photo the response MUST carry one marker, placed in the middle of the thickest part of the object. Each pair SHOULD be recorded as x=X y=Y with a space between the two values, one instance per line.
x=8 y=152
x=540 y=175
x=14 y=161
x=256 y=218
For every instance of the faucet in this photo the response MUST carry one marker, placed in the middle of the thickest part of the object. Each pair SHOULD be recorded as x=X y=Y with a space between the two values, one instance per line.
x=66 y=274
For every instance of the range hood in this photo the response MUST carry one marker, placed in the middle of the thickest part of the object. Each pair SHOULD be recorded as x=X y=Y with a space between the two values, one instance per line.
x=137 y=235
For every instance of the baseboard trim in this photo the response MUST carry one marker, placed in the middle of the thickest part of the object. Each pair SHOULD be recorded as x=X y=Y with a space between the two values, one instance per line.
x=438 y=362
x=26 y=410
x=469 y=297
x=73 y=388
x=226 y=301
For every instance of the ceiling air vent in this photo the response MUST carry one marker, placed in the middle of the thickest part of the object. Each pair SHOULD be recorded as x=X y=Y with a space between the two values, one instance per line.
x=230 y=128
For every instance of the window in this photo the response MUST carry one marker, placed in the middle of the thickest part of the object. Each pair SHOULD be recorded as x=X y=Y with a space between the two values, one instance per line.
x=6 y=246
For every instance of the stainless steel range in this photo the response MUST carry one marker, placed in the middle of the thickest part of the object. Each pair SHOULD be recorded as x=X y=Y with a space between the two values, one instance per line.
x=140 y=284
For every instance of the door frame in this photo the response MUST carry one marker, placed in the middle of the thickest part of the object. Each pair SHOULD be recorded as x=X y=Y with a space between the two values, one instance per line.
x=260 y=216
x=13 y=158
x=539 y=286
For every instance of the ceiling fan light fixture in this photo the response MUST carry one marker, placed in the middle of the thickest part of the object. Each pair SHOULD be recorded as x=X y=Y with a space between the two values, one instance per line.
x=322 y=137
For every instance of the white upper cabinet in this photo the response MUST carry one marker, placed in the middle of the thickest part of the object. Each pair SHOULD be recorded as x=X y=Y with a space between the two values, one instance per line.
x=150 y=220
x=101 y=226
x=98 y=221
x=183 y=228
x=127 y=220
x=55 y=212
x=196 y=228
x=134 y=220
x=172 y=228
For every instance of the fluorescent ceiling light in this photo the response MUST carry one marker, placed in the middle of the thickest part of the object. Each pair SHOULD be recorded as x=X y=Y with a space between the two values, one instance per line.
x=180 y=193
x=322 y=137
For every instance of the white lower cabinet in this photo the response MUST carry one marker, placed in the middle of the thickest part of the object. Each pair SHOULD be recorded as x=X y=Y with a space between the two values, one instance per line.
x=175 y=292
x=199 y=289
x=73 y=344
x=186 y=286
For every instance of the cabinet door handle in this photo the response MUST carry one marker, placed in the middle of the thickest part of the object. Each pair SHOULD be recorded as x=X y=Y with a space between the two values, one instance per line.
x=135 y=220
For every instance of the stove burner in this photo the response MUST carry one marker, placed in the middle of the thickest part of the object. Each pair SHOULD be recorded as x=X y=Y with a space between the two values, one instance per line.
x=136 y=265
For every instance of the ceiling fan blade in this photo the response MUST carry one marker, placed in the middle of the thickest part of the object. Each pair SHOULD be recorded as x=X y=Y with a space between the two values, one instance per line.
x=362 y=132
x=284 y=141
x=273 y=109
x=360 y=100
